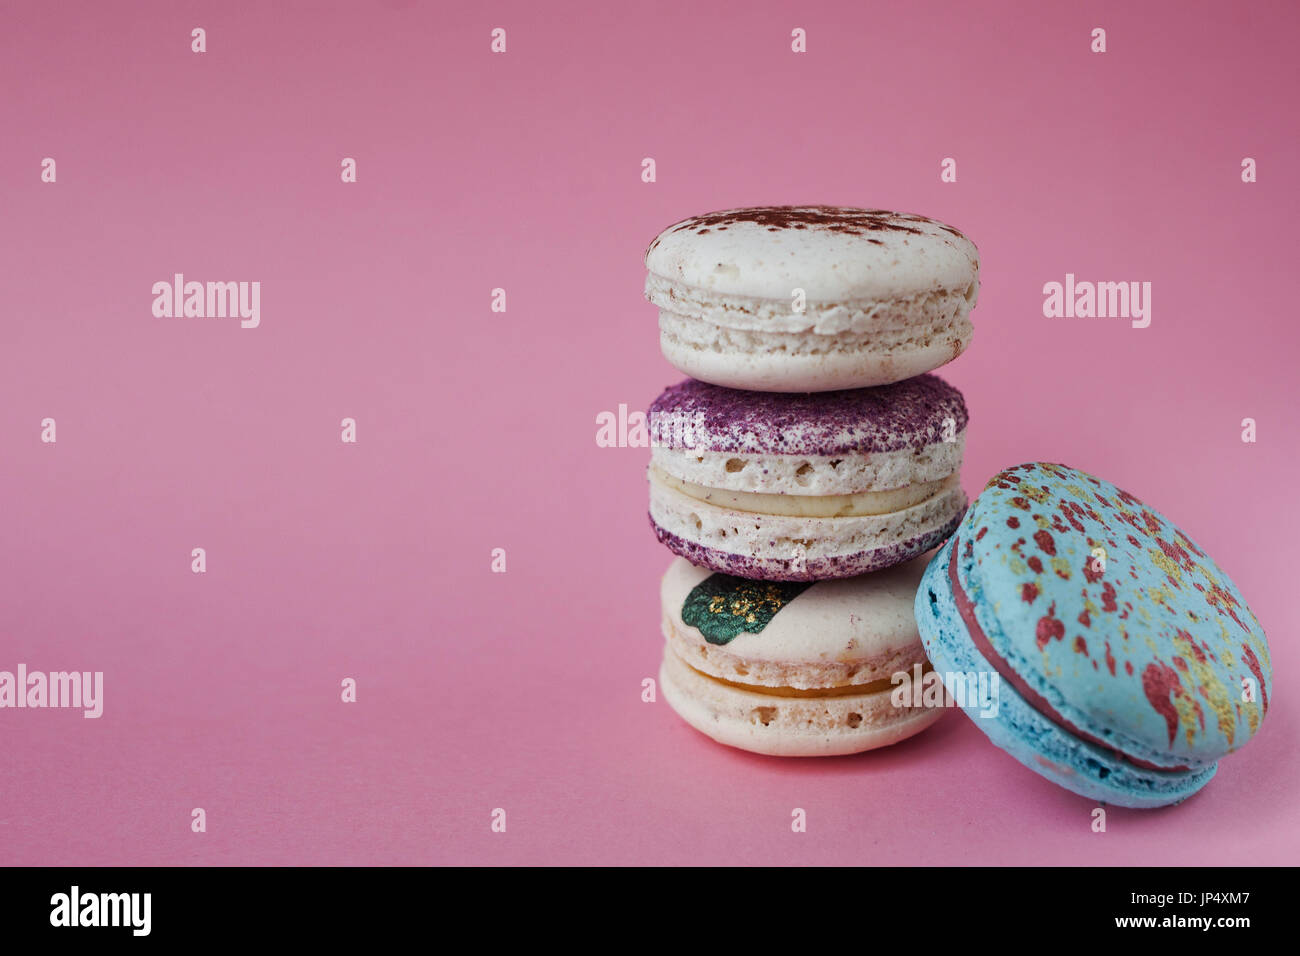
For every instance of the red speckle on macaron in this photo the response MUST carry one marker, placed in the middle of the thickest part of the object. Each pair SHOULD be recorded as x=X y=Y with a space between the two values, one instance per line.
x=1092 y=576
x=1176 y=553
x=1253 y=663
x=1045 y=542
x=1075 y=523
x=1188 y=542
x=1049 y=627
x=1159 y=681
x=1108 y=598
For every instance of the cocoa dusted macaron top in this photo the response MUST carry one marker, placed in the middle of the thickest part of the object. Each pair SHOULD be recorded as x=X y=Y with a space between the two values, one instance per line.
x=834 y=252
x=811 y=298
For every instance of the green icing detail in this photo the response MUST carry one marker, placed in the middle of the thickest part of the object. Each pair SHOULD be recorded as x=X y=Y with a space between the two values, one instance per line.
x=722 y=606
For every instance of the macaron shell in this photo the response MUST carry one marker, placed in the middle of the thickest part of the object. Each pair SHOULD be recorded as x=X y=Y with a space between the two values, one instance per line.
x=863 y=623
x=1114 y=616
x=921 y=411
x=832 y=253
x=770 y=366
x=787 y=727
x=1034 y=740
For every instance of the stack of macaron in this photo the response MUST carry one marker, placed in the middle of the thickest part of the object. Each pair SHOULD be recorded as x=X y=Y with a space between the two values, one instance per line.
x=809 y=465
x=805 y=468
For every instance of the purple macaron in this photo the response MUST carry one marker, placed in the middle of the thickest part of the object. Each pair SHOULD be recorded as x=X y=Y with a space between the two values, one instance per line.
x=803 y=487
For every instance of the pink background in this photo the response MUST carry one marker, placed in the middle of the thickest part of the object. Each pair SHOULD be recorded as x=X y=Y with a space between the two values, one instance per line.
x=477 y=430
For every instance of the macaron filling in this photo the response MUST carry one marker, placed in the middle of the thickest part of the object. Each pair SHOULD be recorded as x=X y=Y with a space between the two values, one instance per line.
x=866 y=317
x=810 y=474
x=843 y=690
x=810 y=506
x=966 y=609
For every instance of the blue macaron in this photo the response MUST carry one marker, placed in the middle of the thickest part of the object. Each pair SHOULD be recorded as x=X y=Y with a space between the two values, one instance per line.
x=1127 y=662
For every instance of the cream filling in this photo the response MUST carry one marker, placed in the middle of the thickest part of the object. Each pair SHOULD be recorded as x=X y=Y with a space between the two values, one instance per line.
x=883 y=685
x=810 y=506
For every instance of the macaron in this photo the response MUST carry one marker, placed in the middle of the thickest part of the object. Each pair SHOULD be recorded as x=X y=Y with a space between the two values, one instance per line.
x=811 y=298
x=1129 y=662
x=782 y=487
x=793 y=669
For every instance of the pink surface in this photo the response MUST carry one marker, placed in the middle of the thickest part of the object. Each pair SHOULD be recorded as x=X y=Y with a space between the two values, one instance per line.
x=476 y=429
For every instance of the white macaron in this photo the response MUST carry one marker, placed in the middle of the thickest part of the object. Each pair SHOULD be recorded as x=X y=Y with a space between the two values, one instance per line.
x=811 y=298
x=793 y=669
